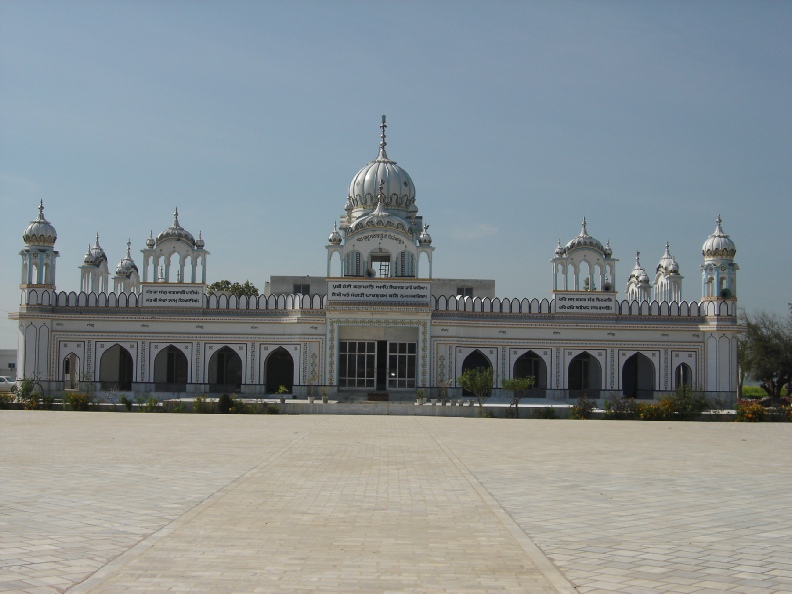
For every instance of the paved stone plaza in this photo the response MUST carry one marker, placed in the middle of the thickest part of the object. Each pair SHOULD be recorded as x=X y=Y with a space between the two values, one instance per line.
x=96 y=502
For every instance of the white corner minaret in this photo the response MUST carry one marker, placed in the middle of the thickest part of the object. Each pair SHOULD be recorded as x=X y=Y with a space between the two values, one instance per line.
x=381 y=234
x=39 y=255
x=719 y=271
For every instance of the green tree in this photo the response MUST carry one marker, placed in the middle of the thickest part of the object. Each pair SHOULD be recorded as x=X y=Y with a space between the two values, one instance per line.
x=767 y=351
x=247 y=289
x=519 y=387
x=479 y=382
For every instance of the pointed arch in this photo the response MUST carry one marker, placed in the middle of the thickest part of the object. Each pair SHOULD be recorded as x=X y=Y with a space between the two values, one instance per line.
x=683 y=376
x=71 y=372
x=638 y=377
x=584 y=375
x=530 y=364
x=170 y=370
x=279 y=370
x=475 y=360
x=116 y=369
x=225 y=371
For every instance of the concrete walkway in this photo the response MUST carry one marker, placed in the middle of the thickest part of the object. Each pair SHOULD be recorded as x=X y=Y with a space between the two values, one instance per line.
x=95 y=502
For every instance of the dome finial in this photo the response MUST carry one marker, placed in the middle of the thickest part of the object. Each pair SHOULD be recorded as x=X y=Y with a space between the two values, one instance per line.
x=129 y=248
x=584 y=232
x=176 y=217
x=383 y=144
x=637 y=258
x=41 y=210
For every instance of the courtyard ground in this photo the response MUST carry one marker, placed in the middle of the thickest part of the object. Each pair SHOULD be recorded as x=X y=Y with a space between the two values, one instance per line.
x=95 y=502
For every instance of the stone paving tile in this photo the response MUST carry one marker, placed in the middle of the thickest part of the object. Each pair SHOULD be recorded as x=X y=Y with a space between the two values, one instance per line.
x=311 y=503
x=704 y=497
x=380 y=508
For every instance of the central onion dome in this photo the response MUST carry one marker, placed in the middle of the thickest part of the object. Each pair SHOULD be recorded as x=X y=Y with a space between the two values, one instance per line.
x=398 y=187
x=95 y=255
x=40 y=231
x=380 y=218
x=668 y=263
x=176 y=232
x=126 y=266
x=584 y=240
x=719 y=245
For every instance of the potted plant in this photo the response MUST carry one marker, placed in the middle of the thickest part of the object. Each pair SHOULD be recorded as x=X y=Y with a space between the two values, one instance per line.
x=281 y=391
x=323 y=391
x=420 y=397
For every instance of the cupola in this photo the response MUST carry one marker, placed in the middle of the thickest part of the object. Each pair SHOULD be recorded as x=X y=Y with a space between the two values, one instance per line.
x=40 y=231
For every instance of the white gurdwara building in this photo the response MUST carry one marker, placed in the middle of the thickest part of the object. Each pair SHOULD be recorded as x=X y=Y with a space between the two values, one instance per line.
x=379 y=322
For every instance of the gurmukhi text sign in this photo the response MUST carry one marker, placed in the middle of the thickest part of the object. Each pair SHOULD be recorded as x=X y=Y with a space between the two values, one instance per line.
x=590 y=302
x=379 y=291
x=171 y=295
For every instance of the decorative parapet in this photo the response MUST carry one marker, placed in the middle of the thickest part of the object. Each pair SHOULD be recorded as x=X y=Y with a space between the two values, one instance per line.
x=48 y=298
x=707 y=308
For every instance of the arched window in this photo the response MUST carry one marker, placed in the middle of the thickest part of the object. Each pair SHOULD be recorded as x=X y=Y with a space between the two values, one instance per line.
x=638 y=377
x=116 y=368
x=683 y=376
x=170 y=370
x=584 y=375
x=532 y=365
x=279 y=370
x=225 y=371
x=71 y=372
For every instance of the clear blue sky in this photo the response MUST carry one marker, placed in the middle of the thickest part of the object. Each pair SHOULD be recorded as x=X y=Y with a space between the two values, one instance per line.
x=514 y=119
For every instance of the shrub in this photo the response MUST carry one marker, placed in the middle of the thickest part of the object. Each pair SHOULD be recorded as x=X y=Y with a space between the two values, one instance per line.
x=78 y=400
x=202 y=405
x=6 y=399
x=545 y=412
x=27 y=392
x=174 y=406
x=621 y=408
x=238 y=407
x=582 y=409
x=150 y=405
x=224 y=403
x=749 y=411
x=126 y=402
x=272 y=409
x=687 y=404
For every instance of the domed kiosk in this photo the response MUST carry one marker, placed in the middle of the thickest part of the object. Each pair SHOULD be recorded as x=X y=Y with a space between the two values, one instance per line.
x=39 y=255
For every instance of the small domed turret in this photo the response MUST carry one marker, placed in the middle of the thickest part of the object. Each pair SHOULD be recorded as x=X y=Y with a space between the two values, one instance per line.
x=176 y=232
x=668 y=264
x=95 y=254
x=638 y=273
x=40 y=231
x=126 y=265
x=424 y=238
x=200 y=243
x=719 y=245
x=151 y=242
x=335 y=236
